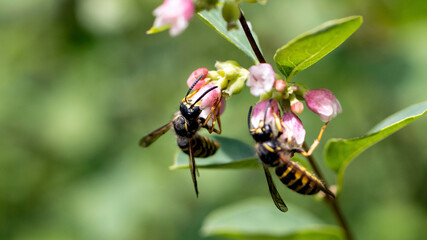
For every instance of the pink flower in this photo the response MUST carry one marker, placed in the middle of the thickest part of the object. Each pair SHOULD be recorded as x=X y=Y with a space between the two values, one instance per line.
x=209 y=100
x=259 y=112
x=261 y=78
x=195 y=75
x=176 y=13
x=222 y=109
x=323 y=103
x=293 y=128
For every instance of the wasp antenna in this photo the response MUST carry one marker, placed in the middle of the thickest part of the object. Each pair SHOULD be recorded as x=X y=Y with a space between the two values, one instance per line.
x=266 y=108
x=249 y=117
x=192 y=86
x=207 y=91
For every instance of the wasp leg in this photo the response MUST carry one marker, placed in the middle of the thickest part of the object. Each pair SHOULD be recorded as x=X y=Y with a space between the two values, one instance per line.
x=216 y=108
x=218 y=118
x=192 y=167
x=278 y=124
x=315 y=143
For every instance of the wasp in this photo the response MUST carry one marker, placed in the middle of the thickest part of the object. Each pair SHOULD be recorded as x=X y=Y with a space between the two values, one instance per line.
x=276 y=153
x=186 y=124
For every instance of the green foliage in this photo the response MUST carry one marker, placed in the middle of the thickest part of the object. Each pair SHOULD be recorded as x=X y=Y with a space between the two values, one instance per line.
x=310 y=47
x=259 y=219
x=213 y=18
x=340 y=152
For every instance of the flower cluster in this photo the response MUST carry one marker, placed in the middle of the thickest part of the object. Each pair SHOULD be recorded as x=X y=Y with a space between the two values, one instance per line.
x=228 y=78
x=264 y=82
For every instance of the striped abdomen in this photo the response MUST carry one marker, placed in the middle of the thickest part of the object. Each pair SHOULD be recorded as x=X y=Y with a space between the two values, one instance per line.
x=202 y=146
x=299 y=179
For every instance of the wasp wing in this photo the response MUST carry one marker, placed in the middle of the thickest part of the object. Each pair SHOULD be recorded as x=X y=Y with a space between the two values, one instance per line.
x=152 y=137
x=192 y=166
x=277 y=199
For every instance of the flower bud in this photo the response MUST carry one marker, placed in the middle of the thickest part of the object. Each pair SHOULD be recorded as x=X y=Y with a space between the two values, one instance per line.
x=261 y=79
x=176 y=13
x=236 y=85
x=297 y=107
x=213 y=75
x=293 y=128
x=259 y=110
x=323 y=103
x=231 y=13
x=226 y=64
x=231 y=78
x=279 y=85
x=195 y=75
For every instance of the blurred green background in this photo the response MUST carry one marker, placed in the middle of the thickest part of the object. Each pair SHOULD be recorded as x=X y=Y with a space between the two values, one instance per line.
x=81 y=82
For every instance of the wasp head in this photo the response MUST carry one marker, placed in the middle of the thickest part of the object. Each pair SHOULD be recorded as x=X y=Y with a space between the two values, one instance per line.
x=262 y=133
x=259 y=123
x=189 y=111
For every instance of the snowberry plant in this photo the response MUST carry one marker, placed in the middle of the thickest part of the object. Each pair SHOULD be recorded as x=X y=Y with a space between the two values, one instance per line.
x=274 y=122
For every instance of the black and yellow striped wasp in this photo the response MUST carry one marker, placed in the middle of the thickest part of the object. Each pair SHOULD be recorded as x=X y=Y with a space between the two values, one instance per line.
x=186 y=123
x=276 y=152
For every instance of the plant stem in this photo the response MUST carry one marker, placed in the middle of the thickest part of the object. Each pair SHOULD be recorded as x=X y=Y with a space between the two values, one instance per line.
x=251 y=38
x=332 y=201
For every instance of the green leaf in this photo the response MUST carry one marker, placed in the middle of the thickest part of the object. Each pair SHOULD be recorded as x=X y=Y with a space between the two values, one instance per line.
x=259 y=219
x=237 y=37
x=154 y=30
x=231 y=154
x=340 y=152
x=310 y=47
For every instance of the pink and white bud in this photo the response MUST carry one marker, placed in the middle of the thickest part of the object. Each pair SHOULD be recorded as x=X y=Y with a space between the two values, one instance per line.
x=176 y=13
x=259 y=112
x=261 y=79
x=279 y=85
x=323 y=103
x=195 y=75
x=292 y=128
x=297 y=107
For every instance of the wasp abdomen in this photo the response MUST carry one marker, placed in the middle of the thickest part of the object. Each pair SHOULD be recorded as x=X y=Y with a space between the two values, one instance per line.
x=202 y=146
x=299 y=179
